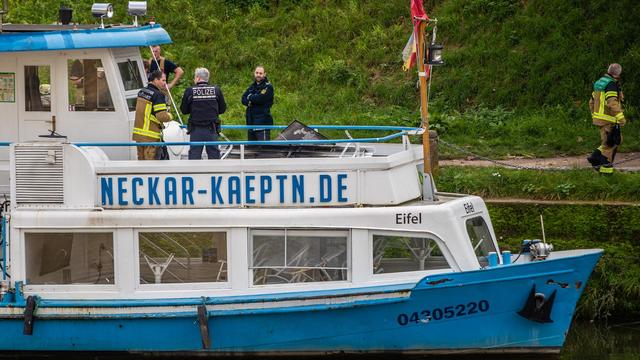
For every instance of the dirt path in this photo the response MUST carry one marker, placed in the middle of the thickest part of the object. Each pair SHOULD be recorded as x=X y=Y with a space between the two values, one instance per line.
x=568 y=162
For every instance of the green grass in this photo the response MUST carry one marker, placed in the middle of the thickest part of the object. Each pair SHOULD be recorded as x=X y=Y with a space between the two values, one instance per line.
x=516 y=81
x=542 y=185
x=500 y=133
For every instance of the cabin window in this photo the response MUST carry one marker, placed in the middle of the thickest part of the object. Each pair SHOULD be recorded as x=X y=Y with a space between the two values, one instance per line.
x=131 y=103
x=182 y=257
x=130 y=75
x=88 y=86
x=37 y=88
x=480 y=237
x=69 y=258
x=131 y=80
x=298 y=256
x=394 y=254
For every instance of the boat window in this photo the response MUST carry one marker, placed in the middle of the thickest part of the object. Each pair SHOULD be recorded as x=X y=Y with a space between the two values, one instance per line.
x=393 y=254
x=130 y=75
x=69 y=258
x=88 y=86
x=480 y=237
x=131 y=103
x=296 y=256
x=37 y=88
x=182 y=257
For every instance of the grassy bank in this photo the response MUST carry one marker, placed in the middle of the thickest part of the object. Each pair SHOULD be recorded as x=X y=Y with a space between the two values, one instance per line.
x=516 y=81
x=614 y=288
x=584 y=184
x=546 y=132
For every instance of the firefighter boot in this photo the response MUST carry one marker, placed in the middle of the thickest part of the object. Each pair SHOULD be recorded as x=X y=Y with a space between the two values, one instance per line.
x=596 y=159
x=606 y=169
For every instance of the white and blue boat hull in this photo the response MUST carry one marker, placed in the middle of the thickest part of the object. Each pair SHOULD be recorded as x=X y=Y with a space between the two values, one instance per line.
x=475 y=311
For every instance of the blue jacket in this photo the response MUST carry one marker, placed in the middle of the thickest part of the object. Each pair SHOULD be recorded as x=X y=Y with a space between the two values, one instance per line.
x=258 y=99
x=204 y=103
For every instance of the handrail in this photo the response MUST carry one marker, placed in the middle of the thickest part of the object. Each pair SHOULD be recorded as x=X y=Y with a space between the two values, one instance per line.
x=245 y=142
x=402 y=131
x=326 y=127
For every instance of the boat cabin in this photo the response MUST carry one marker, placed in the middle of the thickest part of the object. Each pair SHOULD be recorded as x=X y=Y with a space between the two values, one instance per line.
x=85 y=226
x=88 y=221
x=74 y=81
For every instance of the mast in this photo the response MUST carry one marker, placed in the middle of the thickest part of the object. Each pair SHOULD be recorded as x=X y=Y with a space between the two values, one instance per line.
x=428 y=187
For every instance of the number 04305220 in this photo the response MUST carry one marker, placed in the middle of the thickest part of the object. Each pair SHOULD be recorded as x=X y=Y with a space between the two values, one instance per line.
x=448 y=312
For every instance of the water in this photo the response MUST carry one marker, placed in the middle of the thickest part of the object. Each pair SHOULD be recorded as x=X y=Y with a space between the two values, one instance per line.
x=613 y=342
x=586 y=341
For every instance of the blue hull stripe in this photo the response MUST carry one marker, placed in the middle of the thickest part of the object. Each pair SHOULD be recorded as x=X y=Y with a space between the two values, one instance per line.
x=476 y=315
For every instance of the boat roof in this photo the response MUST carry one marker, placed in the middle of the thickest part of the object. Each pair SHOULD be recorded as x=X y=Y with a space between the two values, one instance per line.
x=59 y=37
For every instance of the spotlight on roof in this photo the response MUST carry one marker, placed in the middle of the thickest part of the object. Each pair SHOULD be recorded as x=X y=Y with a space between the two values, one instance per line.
x=137 y=8
x=102 y=10
x=65 y=15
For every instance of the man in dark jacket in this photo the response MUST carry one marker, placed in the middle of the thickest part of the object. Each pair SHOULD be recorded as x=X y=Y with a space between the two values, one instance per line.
x=204 y=102
x=258 y=99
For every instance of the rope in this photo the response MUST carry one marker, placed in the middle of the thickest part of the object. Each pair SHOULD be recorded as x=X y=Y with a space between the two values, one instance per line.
x=498 y=162
x=166 y=86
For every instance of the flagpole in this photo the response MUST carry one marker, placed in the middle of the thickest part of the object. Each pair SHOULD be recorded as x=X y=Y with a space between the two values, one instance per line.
x=428 y=188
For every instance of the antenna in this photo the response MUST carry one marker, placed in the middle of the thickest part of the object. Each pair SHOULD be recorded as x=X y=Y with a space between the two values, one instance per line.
x=544 y=239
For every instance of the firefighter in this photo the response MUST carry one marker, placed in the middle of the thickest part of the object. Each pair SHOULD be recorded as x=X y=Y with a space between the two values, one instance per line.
x=607 y=115
x=151 y=112
x=204 y=103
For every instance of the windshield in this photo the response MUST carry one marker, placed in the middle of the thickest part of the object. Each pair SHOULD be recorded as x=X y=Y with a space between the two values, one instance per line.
x=480 y=237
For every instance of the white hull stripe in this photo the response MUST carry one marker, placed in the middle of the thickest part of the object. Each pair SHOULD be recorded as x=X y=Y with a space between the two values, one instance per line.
x=214 y=309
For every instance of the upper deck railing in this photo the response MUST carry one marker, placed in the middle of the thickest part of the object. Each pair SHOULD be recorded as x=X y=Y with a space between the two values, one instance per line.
x=400 y=132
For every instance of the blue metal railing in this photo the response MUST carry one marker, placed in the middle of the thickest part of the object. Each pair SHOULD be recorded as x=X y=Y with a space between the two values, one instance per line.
x=244 y=142
x=401 y=131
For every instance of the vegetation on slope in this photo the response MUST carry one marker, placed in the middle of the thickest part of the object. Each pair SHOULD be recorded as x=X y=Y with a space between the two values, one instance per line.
x=577 y=184
x=516 y=82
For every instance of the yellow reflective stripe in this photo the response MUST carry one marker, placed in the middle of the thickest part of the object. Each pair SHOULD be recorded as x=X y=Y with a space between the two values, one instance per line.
x=601 y=104
x=151 y=134
x=619 y=116
x=159 y=107
x=155 y=120
x=606 y=170
x=609 y=94
x=604 y=117
x=601 y=148
x=147 y=116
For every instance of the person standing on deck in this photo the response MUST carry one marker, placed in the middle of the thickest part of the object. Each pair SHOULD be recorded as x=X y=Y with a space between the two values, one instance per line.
x=167 y=67
x=606 y=113
x=204 y=103
x=151 y=112
x=258 y=98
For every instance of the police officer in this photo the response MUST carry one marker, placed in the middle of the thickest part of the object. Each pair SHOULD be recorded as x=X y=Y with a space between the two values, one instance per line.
x=151 y=112
x=204 y=102
x=258 y=99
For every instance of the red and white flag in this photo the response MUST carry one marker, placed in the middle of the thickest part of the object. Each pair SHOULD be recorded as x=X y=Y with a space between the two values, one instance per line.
x=409 y=52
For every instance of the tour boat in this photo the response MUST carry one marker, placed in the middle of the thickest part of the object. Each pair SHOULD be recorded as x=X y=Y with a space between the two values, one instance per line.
x=283 y=247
